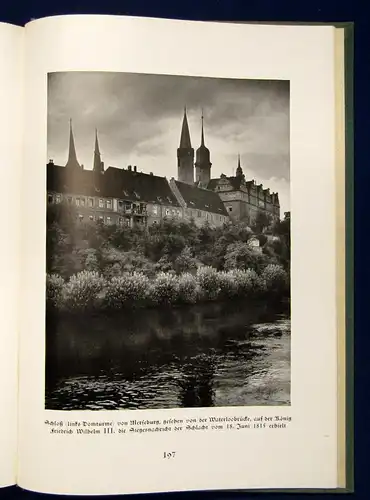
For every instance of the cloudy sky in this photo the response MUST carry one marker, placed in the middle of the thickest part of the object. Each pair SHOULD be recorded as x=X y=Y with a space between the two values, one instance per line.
x=139 y=119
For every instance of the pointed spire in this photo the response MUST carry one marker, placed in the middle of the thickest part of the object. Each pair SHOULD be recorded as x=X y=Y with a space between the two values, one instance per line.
x=97 y=158
x=185 y=142
x=72 y=157
x=239 y=170
x=202 y=138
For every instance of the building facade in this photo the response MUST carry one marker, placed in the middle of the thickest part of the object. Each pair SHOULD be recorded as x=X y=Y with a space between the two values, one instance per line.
x=127 y=197
x=242 y=199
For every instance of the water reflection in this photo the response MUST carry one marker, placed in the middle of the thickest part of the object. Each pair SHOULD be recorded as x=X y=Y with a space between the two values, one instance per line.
x=199 y=356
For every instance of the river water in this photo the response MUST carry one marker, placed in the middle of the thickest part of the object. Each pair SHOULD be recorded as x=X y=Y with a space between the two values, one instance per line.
x=197 y=356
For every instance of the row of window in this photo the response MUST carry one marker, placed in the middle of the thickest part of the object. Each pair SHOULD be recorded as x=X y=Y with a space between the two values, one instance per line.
x=81 y=201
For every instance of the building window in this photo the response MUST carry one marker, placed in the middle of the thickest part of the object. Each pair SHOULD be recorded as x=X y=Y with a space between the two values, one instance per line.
x=91 y=217
x=77 y=202
x=155 y=210
x=101 y=218
x=109 y=204
x=70 y=200
x=178 y=213
x=167 y=211
x=120 y=204
x=101 y=203
x=50 y=198
x=109 y=220
x=82 y=202
x=80 y=216
x=199 y=213
x=58 y=198
x=230 y=209
x=91 y=202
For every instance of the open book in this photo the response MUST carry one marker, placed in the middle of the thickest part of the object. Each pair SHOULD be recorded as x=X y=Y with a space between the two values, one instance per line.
x=173 y=258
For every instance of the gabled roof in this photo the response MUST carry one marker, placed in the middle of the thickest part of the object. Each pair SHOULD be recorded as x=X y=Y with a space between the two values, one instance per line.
x=201 y=199
x=234 y=181
x=137 y=185
x=114 y=183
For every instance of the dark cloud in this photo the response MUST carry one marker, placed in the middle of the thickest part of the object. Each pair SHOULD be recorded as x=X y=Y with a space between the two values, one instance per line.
x=139 y=122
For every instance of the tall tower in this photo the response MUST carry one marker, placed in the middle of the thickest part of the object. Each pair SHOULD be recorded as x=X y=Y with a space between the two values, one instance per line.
x=185 y=155
x=203 y=163
x=98 y=165
x=239 y=170
x=72 y=157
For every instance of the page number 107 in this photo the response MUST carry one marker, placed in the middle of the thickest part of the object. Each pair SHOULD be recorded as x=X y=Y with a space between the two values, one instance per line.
x=169 y=454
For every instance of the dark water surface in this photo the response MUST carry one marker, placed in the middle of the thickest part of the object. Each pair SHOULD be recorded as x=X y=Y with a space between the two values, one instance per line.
x=197 y=356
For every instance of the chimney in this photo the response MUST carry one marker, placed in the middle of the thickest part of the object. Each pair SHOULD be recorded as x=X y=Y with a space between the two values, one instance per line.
x=129 y=168
x=151 y=173
x=82 y=167
x=135 y=169
x=51 y=162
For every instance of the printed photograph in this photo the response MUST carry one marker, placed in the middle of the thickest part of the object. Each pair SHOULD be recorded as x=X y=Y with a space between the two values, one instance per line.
x=167 y=242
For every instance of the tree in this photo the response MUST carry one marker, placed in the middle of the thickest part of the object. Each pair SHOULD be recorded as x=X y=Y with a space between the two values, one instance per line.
x=262 y=222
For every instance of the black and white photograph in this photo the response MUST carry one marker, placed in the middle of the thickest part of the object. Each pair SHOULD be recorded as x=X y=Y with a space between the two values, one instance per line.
x=167 y=242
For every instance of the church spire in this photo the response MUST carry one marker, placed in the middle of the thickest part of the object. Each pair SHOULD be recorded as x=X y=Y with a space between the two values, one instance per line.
x=72 y=157
x=202 y=138
x=185 y=134
x=239 y=170
x=185 y=154
x=97 y=158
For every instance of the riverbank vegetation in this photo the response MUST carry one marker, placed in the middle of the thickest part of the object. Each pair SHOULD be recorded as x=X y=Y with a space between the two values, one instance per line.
x=90 y=265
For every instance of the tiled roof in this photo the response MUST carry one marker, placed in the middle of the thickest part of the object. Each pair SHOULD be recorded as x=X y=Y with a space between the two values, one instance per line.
x=234 y=181
x=137 y=185
x=201 y=199
x=114 y=183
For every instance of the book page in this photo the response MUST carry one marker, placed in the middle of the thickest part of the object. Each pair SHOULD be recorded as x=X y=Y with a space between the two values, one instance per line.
x=11 y=89
x=170 y=322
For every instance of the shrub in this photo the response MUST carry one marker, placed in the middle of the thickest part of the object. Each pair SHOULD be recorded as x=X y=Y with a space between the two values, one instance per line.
x=128 y=290
x=165 y=289
x=228 y=284
x=209 y=282
x=164 y=264
x=188 y=288
x=275 y=279
x=185 y=262
x=240 y=256
x=117 y=263
x=54 y=290
x=247 y=282
x=82 y=290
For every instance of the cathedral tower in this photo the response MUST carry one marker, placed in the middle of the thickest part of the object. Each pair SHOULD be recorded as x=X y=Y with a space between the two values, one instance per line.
x=203 y=163
x=98 y=165
x=185 y=155
x=72 y=157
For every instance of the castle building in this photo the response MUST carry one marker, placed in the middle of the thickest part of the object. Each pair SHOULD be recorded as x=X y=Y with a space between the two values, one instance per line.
x=128 y=197
x=244 y=199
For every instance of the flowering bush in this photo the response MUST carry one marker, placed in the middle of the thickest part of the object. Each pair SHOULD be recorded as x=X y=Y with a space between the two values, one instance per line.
x=188 y=288
x=275 y=279
x=209 y=282
x=54 y=290
x=127 y=290
x=228 y=284
x=165 y=289
x=82 y=290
